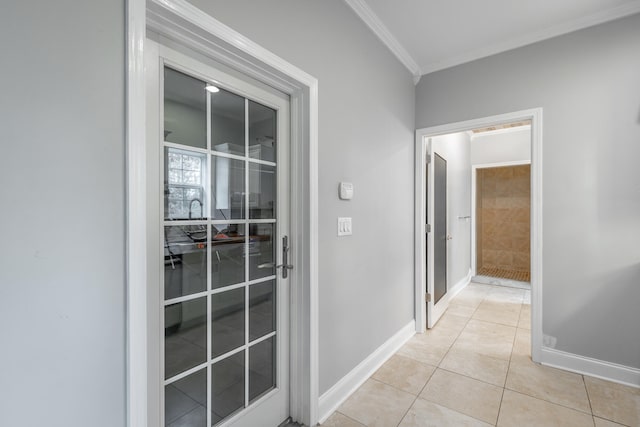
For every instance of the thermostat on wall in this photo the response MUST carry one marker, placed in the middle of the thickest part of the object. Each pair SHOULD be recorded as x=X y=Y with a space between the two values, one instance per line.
x=346 y=190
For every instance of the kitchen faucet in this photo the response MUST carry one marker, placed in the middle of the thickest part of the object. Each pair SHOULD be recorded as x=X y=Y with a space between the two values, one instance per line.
x=201 y=207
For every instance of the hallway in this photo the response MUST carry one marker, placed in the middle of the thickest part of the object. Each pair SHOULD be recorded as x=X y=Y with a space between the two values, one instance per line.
x=474 y=369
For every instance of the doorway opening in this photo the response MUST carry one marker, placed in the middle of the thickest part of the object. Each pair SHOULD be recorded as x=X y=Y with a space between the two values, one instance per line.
x=491 y=232
x=501 y=205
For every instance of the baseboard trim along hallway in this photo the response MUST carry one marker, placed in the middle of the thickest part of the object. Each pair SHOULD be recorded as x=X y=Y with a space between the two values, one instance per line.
x=336 y=395
x=592 y=367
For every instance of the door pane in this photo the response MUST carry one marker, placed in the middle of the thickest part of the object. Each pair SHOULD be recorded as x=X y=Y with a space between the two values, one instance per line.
x=186 y=401
x=185 y=109
x=185 y=336
x=262 y=191
x=227 y=386
x=227 y=255
x=227 y=314
x=261 y=255
x=227 y=188
x=185 y=261
x=184 y=196
x=262 y=309
x=262 y=132
x=262 y=370
x=227 y=123
x=440 y=228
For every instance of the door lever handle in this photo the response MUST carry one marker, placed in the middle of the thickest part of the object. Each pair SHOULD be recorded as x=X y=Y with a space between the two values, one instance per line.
x=285 y=258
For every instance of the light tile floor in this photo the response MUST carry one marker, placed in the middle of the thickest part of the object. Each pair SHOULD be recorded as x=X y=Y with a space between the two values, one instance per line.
x=474 y=369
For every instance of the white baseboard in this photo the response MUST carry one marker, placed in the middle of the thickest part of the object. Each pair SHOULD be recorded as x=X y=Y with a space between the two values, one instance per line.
x=592 y=367
x=333 y=398
x=455 y=290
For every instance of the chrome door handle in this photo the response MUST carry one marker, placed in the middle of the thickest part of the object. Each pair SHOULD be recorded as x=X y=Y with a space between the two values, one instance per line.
x=285 y=258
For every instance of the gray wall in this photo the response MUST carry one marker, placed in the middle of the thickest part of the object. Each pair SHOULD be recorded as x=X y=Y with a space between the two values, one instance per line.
x=587 y=82
x=455 y=149
x=366 y=125
x=62 y=303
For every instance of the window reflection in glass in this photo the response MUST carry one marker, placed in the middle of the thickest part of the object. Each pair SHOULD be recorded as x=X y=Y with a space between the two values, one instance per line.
x=262 y=369
x=262 y=132
x=227 y=123
x=186 y=401
x=227 y=188
x=261 y=254
x=227 y=255
x=262 y=191
x=185 y=260
x=184 y=184
x=185 y=109
x=227 y=386
x=185 y=336
x=227 y=317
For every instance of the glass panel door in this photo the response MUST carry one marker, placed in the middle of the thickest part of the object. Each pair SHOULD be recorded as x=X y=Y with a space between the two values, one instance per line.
x=220 y=306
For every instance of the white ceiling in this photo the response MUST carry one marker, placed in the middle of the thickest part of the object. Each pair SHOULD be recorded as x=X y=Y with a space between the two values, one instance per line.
x=430 y=35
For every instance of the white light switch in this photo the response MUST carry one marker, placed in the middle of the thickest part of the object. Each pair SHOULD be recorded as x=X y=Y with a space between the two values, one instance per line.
x=344 y=227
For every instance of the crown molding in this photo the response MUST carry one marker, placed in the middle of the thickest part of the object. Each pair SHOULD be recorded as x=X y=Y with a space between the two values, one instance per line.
x=362 y=9
x=536 y=36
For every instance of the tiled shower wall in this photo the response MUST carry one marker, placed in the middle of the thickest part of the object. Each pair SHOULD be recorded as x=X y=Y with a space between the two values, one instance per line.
x=503 y=198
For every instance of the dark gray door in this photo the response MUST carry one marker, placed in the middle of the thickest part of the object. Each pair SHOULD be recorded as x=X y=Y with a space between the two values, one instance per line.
x=439 y=227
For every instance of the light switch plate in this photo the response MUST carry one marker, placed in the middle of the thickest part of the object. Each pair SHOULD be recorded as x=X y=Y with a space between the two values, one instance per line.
x=344 y=227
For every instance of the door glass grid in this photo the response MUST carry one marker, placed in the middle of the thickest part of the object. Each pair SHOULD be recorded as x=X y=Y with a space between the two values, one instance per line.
x=220 y=328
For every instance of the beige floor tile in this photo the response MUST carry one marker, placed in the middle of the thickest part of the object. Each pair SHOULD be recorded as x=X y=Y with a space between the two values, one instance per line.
x=461 y=310
x=605 y=423
x=505 y=294
x=404 y=373
x=340 y=420
x=490 y=330
x=553 y=385
x=518 y=410
x=376 y=404
x=522 y=343
x=423 y=351
x=441 y=335
x=504 y=313
x=486 y=338
x=613 y=401
x=428 y=414
x=472 y=295
x=478 y=366
x=525 y=317
x=452 y=322
x=465 y=395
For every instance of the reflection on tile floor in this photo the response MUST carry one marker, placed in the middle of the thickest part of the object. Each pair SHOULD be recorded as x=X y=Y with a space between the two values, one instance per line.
x=474 y=369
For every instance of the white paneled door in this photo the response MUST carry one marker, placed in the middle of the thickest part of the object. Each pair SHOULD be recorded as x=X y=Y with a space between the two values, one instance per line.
x=218 y=150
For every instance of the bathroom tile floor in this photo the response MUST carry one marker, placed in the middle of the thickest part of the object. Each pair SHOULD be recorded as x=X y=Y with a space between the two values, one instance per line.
x=474 y=369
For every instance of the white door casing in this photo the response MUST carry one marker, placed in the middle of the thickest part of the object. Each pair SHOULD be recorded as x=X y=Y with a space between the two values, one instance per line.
x=422 y=135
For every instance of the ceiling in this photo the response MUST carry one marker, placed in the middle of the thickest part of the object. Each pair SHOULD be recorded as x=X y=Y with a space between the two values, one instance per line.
x=430 y=35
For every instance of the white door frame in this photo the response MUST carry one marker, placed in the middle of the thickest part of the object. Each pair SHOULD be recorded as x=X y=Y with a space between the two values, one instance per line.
x=535 y=115
x=474 y=195
x=182 y=22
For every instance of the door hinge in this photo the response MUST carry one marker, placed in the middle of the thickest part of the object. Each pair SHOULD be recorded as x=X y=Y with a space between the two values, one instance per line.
x=428 y=228
x=427 y=298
